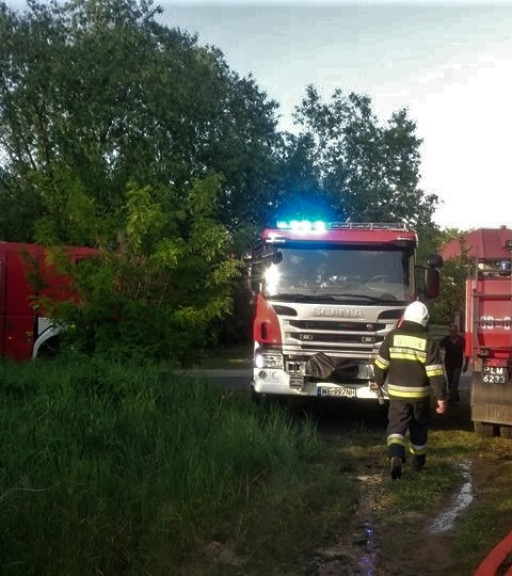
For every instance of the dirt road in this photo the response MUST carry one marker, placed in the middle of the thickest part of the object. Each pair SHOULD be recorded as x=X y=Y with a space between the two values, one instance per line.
x=404 y=543
x=383 y=540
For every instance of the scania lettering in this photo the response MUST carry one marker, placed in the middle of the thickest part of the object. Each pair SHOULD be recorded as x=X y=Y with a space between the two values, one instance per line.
x=325 y=295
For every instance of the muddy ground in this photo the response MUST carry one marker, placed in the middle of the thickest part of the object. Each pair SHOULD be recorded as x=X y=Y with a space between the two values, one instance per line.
x=408 y=545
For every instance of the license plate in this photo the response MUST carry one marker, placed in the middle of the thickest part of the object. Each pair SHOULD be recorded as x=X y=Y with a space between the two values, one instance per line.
x=337 y=391
x=494 y=375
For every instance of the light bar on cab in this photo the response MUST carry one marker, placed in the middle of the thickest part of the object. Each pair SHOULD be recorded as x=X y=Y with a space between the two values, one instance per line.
x=302 y=225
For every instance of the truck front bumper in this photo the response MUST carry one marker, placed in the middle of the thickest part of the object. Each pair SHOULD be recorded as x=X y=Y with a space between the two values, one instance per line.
x=271 y=381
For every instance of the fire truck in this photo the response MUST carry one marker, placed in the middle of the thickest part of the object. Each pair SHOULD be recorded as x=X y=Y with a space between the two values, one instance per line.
x=28 y=279
x=488 y=320
x=325 y=296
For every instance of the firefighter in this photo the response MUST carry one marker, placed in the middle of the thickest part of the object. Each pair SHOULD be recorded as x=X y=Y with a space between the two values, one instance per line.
x=410 y=361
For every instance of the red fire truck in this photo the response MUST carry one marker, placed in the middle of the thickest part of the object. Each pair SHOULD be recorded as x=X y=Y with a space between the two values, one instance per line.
x=27 y=280
x=488 y=320
x=325 y=297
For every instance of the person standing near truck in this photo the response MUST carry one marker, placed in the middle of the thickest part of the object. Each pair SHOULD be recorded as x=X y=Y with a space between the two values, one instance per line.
x=410 y=361
x=455 y=362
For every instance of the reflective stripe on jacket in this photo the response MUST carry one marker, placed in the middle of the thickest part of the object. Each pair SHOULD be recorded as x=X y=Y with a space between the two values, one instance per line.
x=410 y=360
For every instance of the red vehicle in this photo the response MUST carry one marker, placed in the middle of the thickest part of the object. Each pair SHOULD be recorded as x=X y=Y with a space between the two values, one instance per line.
x=325 y=297
x=488 y=322
x=27 y=279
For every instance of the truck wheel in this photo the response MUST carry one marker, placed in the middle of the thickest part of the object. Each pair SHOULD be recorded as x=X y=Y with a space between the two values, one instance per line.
x=506 y=431
x=50 y=348
x=484 y=429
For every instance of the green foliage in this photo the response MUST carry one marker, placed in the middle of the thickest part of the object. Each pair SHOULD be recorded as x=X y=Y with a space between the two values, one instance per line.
x=159 y=290
x=78 y=130
x=451 y=302
x=168 y=162
x=160 y=109
x=429 y=242
x=369 y=172
x=129 y=469
x=170 y=110
x=69 y=213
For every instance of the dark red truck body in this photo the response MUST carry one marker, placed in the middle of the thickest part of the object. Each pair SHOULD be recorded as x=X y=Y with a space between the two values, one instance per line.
x=26 y=277
x=488 y=324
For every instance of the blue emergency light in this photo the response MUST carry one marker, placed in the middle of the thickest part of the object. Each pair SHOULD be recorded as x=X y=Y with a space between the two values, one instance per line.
x=302 y=225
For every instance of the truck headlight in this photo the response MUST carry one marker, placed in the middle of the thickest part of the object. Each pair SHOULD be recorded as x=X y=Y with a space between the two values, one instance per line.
x=268 y=360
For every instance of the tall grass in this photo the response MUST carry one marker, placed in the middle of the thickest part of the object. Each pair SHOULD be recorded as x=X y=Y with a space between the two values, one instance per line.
x=126 y=469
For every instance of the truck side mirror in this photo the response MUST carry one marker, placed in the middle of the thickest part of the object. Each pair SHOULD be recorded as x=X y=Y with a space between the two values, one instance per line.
x=432 y=283
x=435 y=261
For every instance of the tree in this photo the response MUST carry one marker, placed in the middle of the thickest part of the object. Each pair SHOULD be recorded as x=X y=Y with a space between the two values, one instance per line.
x=450 y=304
x=299 y=190
x=160 y=110
x=368 y=172
x=81 y=132
x=158 y=155
x=155 y=292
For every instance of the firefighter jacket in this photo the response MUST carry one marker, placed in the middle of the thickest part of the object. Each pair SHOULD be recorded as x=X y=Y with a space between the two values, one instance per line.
x=410 y=360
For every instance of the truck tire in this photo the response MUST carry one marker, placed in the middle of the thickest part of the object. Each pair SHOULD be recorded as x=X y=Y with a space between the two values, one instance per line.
x=506 y=431
x=50 y=348
x=484 y=429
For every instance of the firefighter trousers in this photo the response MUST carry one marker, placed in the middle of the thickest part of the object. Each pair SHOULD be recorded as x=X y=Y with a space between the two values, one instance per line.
x=408 y=416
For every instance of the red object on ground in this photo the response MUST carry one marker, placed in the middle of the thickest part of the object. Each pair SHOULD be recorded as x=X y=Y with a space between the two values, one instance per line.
x=491 y=564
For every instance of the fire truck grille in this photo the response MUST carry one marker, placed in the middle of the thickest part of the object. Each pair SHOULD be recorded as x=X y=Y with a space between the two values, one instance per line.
x=349 y=339
x=344 y=336
x=336 y=325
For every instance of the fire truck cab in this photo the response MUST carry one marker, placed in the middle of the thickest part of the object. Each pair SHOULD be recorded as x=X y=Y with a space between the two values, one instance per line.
x=27 y=279
x=325 y=296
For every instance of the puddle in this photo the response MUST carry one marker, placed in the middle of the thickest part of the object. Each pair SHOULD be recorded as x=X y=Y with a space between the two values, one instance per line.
x=366 y=565
x=445 y=521
x=366 y=540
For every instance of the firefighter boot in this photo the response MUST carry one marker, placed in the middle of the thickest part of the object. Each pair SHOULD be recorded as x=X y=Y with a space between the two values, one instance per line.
x=418 y=462
x=396 y=467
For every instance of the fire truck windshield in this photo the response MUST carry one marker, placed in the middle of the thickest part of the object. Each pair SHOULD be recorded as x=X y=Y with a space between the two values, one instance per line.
x=339 y=273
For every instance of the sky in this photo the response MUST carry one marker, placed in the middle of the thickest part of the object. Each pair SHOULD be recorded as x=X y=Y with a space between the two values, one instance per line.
x=449 y=64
